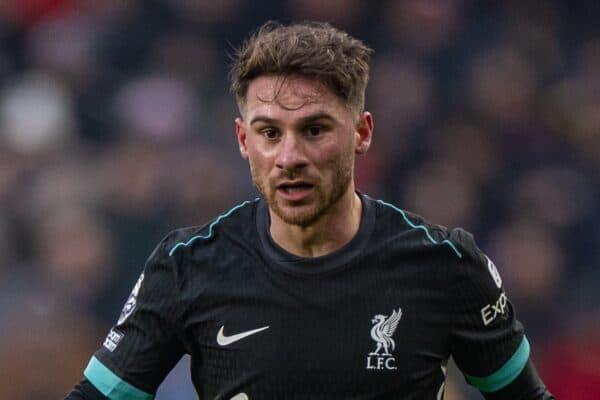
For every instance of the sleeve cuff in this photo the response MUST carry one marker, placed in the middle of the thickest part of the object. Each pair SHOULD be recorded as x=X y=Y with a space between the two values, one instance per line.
x=110 y=385
x=506 y=374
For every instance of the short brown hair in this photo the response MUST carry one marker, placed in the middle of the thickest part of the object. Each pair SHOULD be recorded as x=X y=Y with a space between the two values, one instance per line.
x=312 y=49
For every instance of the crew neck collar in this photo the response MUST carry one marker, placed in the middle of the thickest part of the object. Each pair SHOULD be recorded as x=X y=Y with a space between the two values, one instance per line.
x=280 y=258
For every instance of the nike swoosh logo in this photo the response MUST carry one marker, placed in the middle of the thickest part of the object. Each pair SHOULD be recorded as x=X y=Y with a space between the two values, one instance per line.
x=223 y=340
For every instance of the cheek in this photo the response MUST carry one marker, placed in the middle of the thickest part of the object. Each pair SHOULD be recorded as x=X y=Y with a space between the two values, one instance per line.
x=257 y=152
x=258 y=164
x=336 y=156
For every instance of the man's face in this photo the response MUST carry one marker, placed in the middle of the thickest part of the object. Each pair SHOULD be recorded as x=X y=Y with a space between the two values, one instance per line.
x=300 y=141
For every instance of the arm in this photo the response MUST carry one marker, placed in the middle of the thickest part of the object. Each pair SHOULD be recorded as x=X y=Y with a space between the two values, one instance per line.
x=143 y=346
x=487 y=342
x=84 y=390
x=526 y=386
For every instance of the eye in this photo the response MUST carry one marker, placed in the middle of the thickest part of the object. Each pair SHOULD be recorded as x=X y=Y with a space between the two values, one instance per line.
x=314 y=130
x=270 y=133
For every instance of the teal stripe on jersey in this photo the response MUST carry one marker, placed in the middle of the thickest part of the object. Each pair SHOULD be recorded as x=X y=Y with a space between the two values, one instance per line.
x=506 y=374
x=111 y=385
x=210 y=228
x=422 y=227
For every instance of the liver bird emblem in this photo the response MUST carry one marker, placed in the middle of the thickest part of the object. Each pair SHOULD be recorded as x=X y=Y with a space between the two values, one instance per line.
x=382 y=331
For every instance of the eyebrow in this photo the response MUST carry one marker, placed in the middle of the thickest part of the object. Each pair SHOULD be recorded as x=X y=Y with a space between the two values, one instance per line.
x=302 y=121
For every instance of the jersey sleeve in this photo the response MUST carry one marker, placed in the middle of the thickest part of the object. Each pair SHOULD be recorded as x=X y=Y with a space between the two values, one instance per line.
x=487 y=342
x=144 y=344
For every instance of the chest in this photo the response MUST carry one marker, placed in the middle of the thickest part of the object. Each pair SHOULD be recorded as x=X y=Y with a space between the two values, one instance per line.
x=354 y=334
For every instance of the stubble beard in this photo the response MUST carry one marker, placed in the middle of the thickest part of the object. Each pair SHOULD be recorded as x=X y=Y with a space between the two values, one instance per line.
x=323 y=201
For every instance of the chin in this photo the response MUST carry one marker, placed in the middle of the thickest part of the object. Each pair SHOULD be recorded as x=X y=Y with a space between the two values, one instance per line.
x=302 y=216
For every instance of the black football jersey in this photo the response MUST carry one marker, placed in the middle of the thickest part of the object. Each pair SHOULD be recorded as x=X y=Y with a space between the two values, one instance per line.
x=377 y=319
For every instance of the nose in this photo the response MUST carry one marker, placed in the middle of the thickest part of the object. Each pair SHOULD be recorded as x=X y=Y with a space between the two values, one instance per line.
x=291 y=153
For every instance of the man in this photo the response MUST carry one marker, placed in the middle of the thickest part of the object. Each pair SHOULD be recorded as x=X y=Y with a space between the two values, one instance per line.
x=313 y=291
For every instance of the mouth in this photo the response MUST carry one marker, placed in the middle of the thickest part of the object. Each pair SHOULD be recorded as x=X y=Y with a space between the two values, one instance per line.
x=294 y=191
x=291 y=187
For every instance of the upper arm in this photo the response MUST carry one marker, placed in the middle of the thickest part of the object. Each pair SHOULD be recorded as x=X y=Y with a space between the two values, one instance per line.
x=487 y=341
x=144 y=344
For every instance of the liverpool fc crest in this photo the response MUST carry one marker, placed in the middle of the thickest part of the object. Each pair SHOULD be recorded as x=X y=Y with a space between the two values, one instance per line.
x=382 y=331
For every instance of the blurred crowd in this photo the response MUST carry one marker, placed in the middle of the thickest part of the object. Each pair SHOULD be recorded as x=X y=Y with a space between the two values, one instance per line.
x=116 y=126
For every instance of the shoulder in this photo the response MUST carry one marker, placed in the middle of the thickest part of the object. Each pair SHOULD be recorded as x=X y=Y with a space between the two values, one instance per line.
x=237 y=220
x=452 y=252
x=188 y=259
x=419 y=233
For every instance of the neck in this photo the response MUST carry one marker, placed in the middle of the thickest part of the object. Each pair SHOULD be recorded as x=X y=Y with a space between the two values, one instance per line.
x=330 y=232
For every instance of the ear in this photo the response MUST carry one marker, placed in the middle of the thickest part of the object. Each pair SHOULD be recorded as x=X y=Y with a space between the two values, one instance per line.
x=240 y=131
x=363 y=133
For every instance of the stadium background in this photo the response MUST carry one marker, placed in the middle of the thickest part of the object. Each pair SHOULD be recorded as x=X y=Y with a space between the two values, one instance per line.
x=116 y=126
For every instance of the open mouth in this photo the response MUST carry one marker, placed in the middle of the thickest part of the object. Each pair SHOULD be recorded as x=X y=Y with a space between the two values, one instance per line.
x=294 y=187
x=295 y=191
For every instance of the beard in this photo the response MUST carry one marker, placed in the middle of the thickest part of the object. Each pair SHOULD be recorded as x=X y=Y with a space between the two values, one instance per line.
x=322 y=199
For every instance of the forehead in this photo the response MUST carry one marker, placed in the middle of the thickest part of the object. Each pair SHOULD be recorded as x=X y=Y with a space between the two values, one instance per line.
x=290 y=94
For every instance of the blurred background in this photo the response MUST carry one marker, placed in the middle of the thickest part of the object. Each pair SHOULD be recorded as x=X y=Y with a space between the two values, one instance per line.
x=116 y=126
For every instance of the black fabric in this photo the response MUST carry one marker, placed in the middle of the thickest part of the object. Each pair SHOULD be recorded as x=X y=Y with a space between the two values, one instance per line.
x=527 y=386
x=281 y=259
x=84 y=390
x=483 y=319
x=377 y=319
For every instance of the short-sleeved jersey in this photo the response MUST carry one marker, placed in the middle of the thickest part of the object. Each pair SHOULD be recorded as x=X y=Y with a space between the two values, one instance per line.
x=377 y=319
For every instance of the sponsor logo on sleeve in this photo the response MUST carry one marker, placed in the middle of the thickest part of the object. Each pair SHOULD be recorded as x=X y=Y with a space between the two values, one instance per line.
x=112 y=339
x=494 y=272
x=492 y=311
x=131 y=301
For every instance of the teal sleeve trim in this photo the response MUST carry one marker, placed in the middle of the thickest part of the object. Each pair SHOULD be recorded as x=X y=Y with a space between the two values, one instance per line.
x=422 y=227
x=210 y=228
x=110 y=384
x=506 y=374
